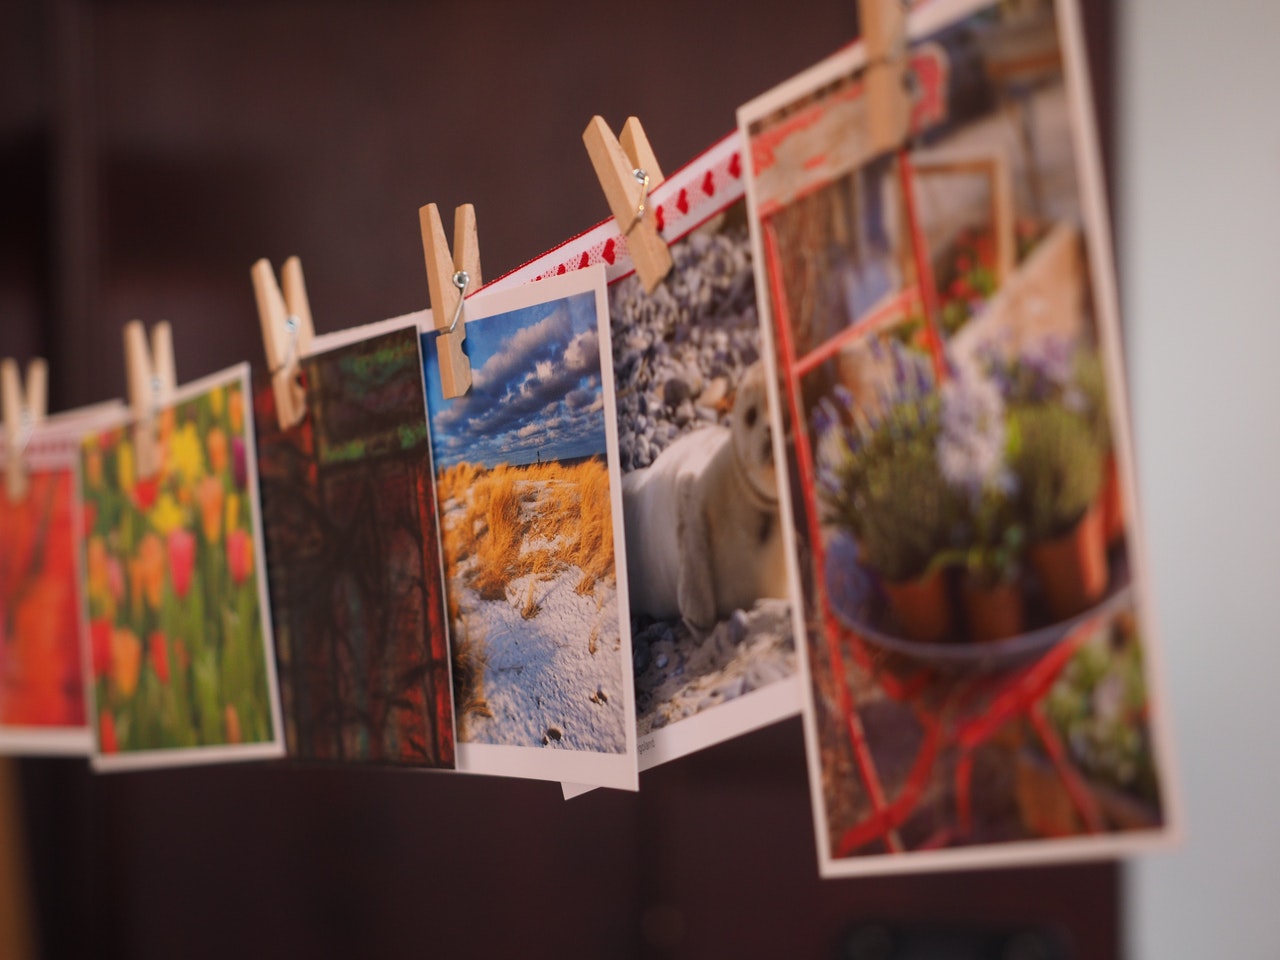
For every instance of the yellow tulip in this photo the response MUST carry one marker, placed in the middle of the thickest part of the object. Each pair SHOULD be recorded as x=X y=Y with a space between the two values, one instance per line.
x=166 y=516
x=166 y=420
x=235 y=409
x=215 y=400
x=186 y=454
x=126 y=660
x=232 y=521
x=124 y=466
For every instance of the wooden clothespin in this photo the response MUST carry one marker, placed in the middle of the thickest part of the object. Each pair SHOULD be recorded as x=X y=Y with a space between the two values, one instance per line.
x=884 y=31
x=449 y=278
x=151 y=386
x=628 y=172
x=287 y=333
x=22 y=414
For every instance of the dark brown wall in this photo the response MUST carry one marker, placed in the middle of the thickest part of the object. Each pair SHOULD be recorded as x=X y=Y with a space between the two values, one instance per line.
x=150 y=152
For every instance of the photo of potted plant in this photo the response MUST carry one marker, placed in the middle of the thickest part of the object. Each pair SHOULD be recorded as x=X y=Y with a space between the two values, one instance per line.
x=937 y=336
x=880 y=480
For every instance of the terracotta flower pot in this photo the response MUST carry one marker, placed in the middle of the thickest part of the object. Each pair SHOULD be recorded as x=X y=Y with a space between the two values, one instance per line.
x=1072 y=568
x=922 y=606
x=1112 y=501
x=993 y=612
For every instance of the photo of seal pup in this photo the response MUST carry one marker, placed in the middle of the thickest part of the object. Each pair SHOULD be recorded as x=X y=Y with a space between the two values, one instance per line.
x=701 y=522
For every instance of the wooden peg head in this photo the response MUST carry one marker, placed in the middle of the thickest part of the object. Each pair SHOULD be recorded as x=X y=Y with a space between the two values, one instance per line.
x=287 y=332
x=446 y=296
x=615 y=165
x=151 y=380
x=635 y=144
x=884 y=31
x=23 y=411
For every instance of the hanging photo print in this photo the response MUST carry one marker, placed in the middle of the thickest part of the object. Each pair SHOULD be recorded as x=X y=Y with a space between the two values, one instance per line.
x=530 y=506
x=710 y=619
x=179 y=635
x=356 y=585
x=943 y=340
x=42 y=691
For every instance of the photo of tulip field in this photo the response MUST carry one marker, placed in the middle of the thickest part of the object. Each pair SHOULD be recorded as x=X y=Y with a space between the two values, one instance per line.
x=977 y=645
x=40 y=685
x=178 y=643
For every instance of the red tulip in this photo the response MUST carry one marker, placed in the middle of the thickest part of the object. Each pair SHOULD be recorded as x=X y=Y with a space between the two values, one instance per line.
x=239 y=555
x=159 y=654
x=144 y=493
x=100 y=646
x=182 y=560
x=232 y=721
x=107 y=732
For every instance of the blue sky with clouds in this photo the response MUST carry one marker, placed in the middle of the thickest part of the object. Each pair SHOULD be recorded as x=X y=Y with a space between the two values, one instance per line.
x=536 y=388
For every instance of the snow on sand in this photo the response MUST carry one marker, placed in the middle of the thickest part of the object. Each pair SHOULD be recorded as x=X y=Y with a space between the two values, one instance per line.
x=680 y=672
x=552 y=674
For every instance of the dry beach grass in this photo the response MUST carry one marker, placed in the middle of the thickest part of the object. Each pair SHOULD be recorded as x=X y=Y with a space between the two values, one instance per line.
x=513 y=522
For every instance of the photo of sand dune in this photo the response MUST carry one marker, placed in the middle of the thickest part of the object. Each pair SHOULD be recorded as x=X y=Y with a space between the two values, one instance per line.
x=529 y=497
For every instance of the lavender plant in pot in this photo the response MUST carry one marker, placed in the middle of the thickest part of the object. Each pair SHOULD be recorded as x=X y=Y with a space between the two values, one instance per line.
x=974 y=446
x=879 y=479
x=1055 y=390
x=1059 y=468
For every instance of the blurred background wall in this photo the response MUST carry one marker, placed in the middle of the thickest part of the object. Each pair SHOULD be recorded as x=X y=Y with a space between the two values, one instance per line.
x=1199 y=204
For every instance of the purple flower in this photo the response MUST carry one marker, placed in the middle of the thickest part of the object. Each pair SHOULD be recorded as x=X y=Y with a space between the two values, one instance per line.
x=971 y=445
x=239 y=462
x=822 y=418
x=1049 y=362
x=924 y=380
x=900 y=362
x=842 y=394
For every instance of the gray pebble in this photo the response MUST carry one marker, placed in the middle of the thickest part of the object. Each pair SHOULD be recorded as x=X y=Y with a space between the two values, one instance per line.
x=675 y=392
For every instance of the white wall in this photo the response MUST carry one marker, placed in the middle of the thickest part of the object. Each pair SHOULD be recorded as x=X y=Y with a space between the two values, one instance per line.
x=1199 y=217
